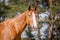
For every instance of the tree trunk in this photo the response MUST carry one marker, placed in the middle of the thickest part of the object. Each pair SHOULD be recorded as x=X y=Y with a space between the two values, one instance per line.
x=51 y=21
x=38 y=28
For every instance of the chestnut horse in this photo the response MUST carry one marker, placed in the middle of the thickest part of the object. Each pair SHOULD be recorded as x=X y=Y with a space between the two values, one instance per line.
x=11 y=29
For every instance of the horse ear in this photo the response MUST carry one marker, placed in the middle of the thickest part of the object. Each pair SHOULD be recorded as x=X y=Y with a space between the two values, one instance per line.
x=29 y=8
x=35 y=7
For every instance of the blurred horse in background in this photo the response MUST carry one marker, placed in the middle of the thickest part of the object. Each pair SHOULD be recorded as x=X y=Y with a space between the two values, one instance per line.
x=11 y=29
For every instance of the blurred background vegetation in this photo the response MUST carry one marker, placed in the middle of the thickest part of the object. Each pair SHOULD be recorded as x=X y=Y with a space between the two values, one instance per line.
x=11 y=8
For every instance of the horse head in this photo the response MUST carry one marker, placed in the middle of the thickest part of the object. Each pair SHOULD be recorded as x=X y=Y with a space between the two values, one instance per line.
x=31 y=17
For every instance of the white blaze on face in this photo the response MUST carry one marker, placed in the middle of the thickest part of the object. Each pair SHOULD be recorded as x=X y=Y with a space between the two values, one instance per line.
x=34 y=20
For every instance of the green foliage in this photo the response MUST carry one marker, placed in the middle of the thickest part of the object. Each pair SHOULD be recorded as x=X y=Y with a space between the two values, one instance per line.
x=3 y=8
x=41 y=9
x=56 y=8
x=29 y=32
x=57 y=21
x=17 y=6
x=20 y=6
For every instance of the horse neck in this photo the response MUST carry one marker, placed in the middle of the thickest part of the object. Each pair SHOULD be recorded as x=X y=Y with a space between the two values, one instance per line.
x=21 y=21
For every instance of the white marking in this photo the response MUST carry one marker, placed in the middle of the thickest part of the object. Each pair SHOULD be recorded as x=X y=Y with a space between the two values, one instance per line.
x=34 y=20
